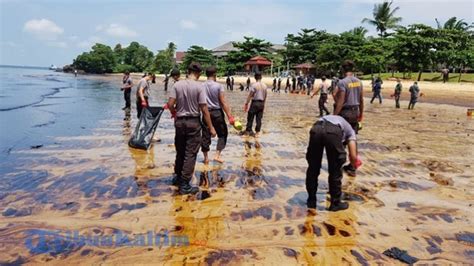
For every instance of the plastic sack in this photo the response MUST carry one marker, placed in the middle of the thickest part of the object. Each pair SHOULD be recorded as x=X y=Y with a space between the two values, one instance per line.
x=146 y=127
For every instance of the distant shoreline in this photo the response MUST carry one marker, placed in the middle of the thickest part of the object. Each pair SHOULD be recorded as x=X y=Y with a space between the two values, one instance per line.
x=25 y=67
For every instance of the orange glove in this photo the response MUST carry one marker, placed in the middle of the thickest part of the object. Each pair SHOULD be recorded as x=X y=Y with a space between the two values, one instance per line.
x=359 y=119
x=144 y=104
x=231 y=120
x=166 y=107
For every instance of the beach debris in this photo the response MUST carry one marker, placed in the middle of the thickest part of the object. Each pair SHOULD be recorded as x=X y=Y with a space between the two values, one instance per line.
x=441 y=180
x=401 y=255
x=36 y=146
x=466 y=238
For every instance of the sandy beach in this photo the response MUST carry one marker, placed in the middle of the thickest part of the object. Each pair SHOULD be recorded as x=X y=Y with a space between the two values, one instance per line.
x=414 y=190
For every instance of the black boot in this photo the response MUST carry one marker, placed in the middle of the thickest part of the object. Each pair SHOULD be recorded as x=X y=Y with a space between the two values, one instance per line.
x=186 y=188
x=338 y=205
x=311 y=203
x=350 y=170
x=176 y=180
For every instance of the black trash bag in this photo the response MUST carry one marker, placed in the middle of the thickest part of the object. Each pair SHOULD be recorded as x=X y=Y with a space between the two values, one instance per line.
x=401 y=255
x=146 y=127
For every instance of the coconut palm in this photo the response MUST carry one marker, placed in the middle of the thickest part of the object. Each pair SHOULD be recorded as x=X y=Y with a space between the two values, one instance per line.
x=454 y=24
x=384 y=18
x=360 y=31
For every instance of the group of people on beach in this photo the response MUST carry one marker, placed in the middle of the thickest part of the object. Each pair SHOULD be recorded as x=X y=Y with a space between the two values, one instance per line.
x=199 y=110
x=377 y=92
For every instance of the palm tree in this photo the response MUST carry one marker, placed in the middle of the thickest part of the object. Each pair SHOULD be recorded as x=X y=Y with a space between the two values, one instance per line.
x=360 y=31
x=454 y=24
x=384 y=18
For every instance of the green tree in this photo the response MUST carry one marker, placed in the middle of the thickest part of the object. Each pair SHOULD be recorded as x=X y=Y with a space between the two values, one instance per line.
x=118 y=52
x=247 y=49
x=414 y=48
x=164 y=59
x=384 y=18
x=304 y=46
x=138 y=56
x=454 y=24
x=199 y=55
x=100 y=60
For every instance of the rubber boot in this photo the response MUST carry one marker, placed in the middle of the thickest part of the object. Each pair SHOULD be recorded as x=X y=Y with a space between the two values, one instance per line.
x=176 y=180
x=186 y=188
x=311 y=203
x=338 y=205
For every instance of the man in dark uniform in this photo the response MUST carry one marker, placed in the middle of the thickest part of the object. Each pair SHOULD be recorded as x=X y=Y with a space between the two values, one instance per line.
x=279 y=85
x=329 y=133
x=248 y=84
x=143 y=93
x=166 y=81
x=127 y=89
x=350 y=102
x=227 y=82
x=231 y=83
x=377 y=89
x=186 y=102
x=414 y=93
x=349 y=96
x=294 y=84
x=397 y=93
x=217 y=105
x=258 y=95
x=274 y=84
x=287 y=87
x=323 y=97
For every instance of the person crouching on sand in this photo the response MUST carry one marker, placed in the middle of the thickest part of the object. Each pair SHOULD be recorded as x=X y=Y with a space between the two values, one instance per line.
x=217 y=105
x=258 y=95
x=330 y=132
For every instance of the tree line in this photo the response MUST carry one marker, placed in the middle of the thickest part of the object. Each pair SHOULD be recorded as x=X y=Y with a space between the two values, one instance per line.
x=414 y=48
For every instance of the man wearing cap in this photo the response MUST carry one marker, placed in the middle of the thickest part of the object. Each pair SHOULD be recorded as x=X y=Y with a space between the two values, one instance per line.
x=127 y=89
x=258 y=96
x=143 y=93
x=186 y=102
x=217 y=105
x=330 y=133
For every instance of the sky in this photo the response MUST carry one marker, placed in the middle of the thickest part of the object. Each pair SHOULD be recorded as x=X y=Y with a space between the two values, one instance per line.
x=45 y=32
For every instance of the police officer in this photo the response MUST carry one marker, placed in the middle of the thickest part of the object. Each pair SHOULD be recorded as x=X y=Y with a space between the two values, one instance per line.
x=175 y=74
x=143 y=93
x=349 y=96
x=330 y=132
x=274 y=84
x=323 y=89
x=350 y=102
x=127 y=89
x=217 y=105
x=227 y=82
x=414 y=93
x=397 y=93
x=377 y=88
x=186 y=102
x=258 y=95
x=248 y=84
x=279 y=85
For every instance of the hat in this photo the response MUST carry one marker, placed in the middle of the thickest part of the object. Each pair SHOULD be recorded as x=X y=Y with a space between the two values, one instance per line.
x=175 y=72
x=195 y=67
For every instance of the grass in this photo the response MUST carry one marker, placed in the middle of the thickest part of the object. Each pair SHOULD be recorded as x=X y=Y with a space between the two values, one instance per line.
x=425 y=76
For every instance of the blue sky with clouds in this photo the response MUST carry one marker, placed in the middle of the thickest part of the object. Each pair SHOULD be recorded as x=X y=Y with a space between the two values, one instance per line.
x=45 y=32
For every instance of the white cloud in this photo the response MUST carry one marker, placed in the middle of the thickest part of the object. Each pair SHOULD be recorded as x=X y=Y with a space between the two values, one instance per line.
x=188 y=24
x=89 y=42
x=57 y=44
x=43 y=29
x=117 y=30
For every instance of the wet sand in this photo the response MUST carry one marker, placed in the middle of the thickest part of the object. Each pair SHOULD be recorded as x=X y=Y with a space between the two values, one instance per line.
x=414 y=191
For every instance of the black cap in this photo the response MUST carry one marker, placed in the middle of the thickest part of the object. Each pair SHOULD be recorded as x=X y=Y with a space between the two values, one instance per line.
x=195 y=67
x=175 y=72
x=210 y=71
